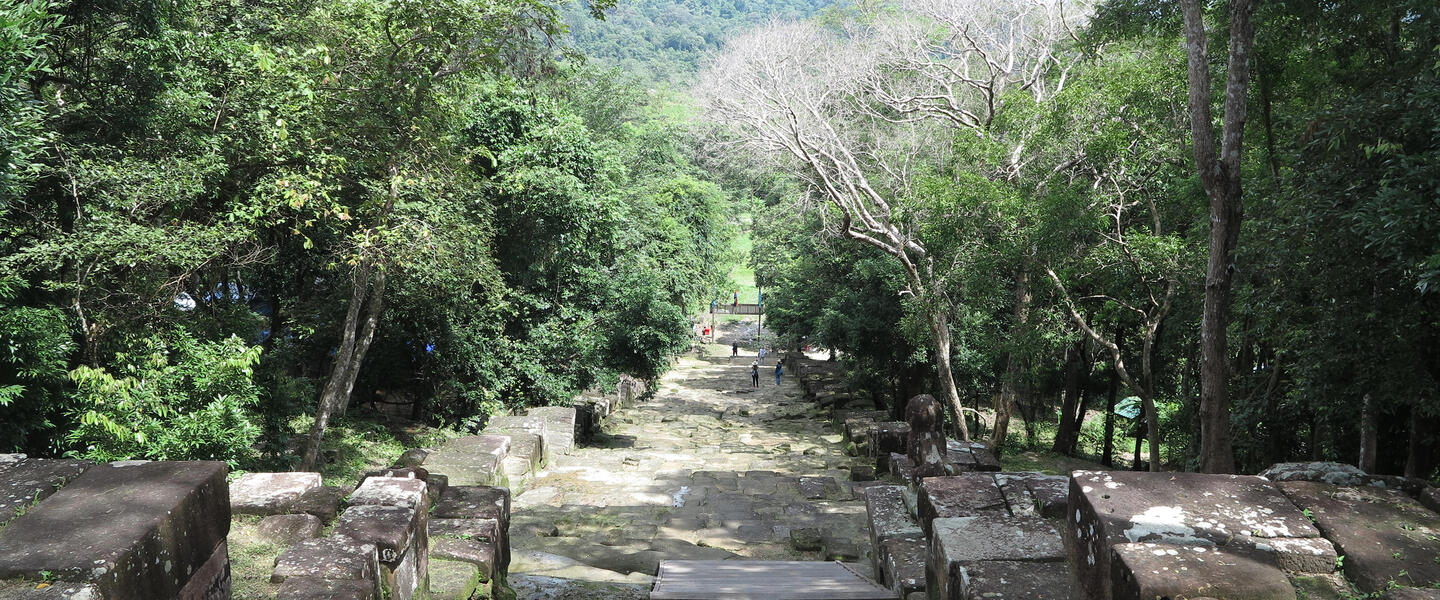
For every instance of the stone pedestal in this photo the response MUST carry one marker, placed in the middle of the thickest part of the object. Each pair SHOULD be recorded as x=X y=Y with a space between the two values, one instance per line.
x=132 y=529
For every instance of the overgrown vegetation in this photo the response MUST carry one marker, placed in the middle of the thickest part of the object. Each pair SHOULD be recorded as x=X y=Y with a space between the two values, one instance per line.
x=225 y=227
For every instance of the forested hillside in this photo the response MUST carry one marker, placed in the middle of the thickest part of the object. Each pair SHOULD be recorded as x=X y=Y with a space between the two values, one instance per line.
x=224 y=226
x=1064 y=213
x=657 y=41
x=1165 y=234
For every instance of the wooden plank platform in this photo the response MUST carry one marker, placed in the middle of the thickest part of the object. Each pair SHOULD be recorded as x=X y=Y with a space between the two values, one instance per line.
x=762 y=580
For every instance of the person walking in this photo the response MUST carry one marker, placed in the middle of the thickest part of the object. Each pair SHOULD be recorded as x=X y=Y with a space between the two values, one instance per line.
x=779 y=370
x=762 y=355
x=754 y=374
x=734 y=349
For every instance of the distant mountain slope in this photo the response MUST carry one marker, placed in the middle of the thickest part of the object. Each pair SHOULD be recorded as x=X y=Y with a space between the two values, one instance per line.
x=666 y=40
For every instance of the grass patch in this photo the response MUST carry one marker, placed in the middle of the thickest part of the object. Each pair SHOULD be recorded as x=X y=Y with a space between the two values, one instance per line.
x=251 y=560
x=361 y=442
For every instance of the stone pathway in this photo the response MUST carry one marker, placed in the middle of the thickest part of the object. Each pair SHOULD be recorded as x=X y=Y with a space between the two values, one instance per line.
x=709 y=468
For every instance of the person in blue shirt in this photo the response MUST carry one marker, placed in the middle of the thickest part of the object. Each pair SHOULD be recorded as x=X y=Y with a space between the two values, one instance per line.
x=778 y=371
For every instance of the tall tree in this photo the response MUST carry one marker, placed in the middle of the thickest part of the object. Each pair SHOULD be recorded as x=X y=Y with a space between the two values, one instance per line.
x=1221 y=177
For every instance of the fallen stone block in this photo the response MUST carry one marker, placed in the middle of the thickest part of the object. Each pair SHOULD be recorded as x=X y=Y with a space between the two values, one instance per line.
x=323 y=502
x=413 y=457
x=269 y=493
x=963 y=495
x=134 y=529
x=1430 y=498
x=477 y=553
x=1007 y=580
x=862 y=473
x=820 y=488
x=1385 y=535
x=806 y=539
x=496 y=445
x=995 y=537
x=901 y=470
x=1324 y=472
x=1034 y=493
x=888 y=437
x=288 y=529
x=463 y=469
x=528 y=447
x=1148 y=571
x=455 y=580
x=559 y=423
x=1245 y=514
x=888 y=515
x=388 y=528
x=902 y=564
x=24 y=482
x=335 y=557
x=411 y=494
x=311 y=588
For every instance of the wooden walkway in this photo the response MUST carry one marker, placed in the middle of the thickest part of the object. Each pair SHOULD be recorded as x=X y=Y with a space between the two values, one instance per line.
x=762 y=580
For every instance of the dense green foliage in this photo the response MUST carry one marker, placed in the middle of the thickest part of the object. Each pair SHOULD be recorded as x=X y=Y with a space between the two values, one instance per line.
x=208 y=200
x=667 y=41
x=1336 y=276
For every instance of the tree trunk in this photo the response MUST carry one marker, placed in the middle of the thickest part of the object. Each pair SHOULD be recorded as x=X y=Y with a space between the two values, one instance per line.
x=1067 y=432
x=1107 y=452
x=367 y=292
x=1012 y=388
x=1419 y=456
x=1369 y=434
x=1220 y=177
x=1138 y=437
x=940 y=330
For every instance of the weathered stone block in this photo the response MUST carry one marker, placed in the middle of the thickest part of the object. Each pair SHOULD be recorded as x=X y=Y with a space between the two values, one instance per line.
x=559 y=423
x=496 y=445
x=1148 y=571
x=820 y=488
x=1384 y=534
x=480 y=553
x=1243 y=513
x=288 y=529
x=478 y=502
x=412 y=494
x=413 y=457
x=900 y=468
x=26 y=481
x=269 y=493
x=388 y=528
x=888 y=437
x=467 y=469
x=528 y=447
x=806 y=539
x=888 y=516
x=902 y=564
x=1325 y=472
x=134 y=529
x=1034 y=493
x=455 y=580
x=1007 y=580
x=1430 y=498
x=312 y=588
x=964 y=495
x=336 y=557
x=996 y=537
x=212 y=580
x=323 y=502
x=862 y=473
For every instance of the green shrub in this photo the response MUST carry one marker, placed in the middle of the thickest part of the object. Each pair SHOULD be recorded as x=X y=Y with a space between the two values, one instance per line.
x=176 y=398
